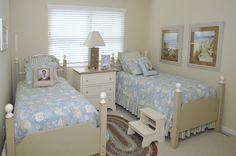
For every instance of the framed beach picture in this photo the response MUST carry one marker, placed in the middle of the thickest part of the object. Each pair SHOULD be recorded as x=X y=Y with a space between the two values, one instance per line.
x=3 y=36
x=205 y=45
x=171 y=44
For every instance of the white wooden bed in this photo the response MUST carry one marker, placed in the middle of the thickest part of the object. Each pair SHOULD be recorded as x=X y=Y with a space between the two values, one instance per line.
x=195 y=113
x=82 y=139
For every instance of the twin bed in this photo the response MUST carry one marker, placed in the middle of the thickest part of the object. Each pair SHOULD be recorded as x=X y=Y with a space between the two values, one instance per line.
x=60 y=121
x=55 y=120
x=190 y=106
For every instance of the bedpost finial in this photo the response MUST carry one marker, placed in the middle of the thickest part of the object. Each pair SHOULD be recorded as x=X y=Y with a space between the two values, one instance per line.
x=16 y=60
x=178 y=86
x=222 y=79
x=64 y=57
x=103 y=97
x=145 y=53
x=9 y=109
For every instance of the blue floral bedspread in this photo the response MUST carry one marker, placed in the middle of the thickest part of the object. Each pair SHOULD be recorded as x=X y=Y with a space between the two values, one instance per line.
x=39 y=109
x=158 y=91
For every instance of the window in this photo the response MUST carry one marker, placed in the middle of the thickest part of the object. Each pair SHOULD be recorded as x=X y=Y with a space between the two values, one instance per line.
x=68 y=27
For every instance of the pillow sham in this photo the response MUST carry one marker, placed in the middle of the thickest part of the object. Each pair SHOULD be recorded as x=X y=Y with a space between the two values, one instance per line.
x=43 y=76
x=132 y=67
x=128 y=55
x=146 y=67
x=29 y=71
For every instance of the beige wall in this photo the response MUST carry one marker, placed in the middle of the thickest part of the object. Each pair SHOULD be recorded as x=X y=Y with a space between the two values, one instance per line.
x=30 y=25
x=184 y=12
x=5 y=71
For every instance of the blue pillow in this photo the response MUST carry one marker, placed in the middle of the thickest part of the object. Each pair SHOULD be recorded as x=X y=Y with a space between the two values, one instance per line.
x=146 y=67
x=131 y=66
x=29 y=71
x=122 y=56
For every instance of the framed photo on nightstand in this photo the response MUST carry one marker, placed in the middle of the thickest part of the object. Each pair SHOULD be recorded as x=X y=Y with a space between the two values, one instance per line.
x=105 y=61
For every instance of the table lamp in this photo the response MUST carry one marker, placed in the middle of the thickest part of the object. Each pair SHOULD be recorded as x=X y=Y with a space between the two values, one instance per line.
x=93 y=40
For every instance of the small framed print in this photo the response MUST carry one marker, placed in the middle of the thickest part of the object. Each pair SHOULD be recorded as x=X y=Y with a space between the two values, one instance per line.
x=205 y=45
x=43 y=77
x=171 y=44
x=3 y=36
x=105 y=61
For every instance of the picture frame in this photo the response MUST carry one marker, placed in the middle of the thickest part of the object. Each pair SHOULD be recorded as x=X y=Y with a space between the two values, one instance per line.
x=105 y=61
x=3 y=35
x=171 y=44
x=205 y=45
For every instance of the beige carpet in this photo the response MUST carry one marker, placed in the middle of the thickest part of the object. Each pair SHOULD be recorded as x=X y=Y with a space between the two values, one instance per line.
x=205 y=144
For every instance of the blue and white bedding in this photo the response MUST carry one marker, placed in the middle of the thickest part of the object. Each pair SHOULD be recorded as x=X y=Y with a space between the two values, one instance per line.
x=136 y=91
x=39 y=109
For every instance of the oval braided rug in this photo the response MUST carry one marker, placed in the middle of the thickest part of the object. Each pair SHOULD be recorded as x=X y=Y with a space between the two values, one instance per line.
x=121 y=144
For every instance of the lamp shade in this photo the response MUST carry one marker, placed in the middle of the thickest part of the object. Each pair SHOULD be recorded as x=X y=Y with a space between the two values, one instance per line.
x=94 y=39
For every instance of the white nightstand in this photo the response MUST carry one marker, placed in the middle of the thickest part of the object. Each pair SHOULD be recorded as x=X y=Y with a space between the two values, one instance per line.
x=92 y=82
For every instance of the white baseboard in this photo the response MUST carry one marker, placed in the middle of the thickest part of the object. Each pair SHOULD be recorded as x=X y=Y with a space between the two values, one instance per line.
x=3 y=151
x=228 y=131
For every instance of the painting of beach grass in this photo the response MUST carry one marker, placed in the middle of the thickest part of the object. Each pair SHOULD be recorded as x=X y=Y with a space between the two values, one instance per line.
x=171 y=44
x=205 y=45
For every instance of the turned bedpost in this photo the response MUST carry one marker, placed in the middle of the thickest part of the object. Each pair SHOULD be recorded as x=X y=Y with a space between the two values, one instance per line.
x=145 y=53
x=220 y=97
x=10 y=130
x=103 y=124
x=113 y=62
x=176 y=116
x=64 y=67
x=17 y=69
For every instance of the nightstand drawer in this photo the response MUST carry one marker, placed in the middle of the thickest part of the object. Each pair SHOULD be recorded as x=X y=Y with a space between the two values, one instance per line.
x=94 y=79
x=96 y=90
x=96 y=101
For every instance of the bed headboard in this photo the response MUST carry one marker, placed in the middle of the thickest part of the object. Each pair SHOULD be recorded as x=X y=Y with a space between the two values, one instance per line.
x=40 y=59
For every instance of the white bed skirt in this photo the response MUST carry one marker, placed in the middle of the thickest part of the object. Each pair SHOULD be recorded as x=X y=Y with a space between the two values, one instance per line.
x=123 y=100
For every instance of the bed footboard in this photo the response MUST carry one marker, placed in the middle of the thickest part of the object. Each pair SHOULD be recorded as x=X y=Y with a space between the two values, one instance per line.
x=10 y=130
x=196 y=113
x=82 y=139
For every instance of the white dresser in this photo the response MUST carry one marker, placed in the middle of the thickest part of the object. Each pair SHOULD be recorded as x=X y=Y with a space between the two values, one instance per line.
x=92 y=82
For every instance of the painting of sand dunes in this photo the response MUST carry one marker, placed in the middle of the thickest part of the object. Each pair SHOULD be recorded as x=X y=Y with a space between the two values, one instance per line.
x=171 y=44
x=205 y=45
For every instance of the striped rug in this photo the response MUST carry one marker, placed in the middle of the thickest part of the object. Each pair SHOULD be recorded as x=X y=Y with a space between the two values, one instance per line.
x=121 y=144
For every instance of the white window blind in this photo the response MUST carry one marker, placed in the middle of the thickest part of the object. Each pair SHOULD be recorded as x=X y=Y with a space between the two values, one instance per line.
x=68 y=28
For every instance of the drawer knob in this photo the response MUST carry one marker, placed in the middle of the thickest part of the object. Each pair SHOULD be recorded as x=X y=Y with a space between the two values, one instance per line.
x=86 y=92
x=109 y=89
x=110 y=78
x=86 y=80
x=109 y=100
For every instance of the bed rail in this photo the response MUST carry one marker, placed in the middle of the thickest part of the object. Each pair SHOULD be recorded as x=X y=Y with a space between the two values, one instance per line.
x=202 y=111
